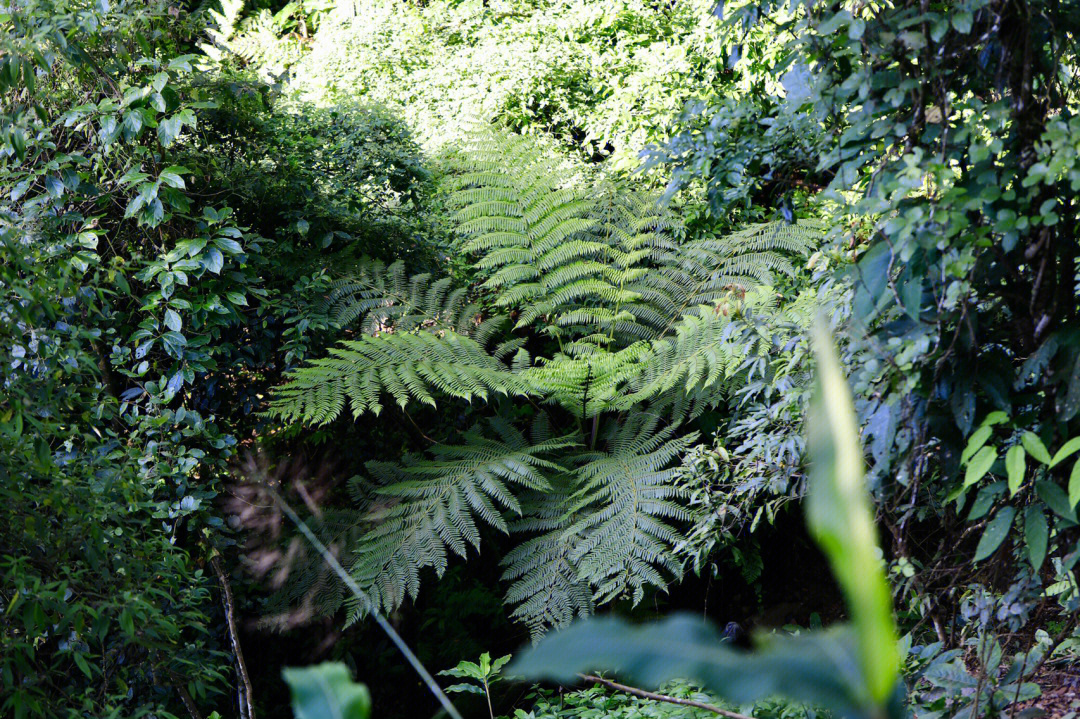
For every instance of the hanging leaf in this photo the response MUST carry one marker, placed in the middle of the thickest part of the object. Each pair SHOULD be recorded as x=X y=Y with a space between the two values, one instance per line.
x=1074 y=486
x=994 y=534
x=172 y=320
x=1055 y=499
x=1066 y=451
x=976 y=442
x=1035 y=447
x=984 y=500
x=1036 y=535
x=1015 y=465
x=979 y=465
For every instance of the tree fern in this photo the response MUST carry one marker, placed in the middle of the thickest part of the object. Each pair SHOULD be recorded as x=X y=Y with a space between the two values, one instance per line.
x=546 y=591
x=602 y=263
x=649 y=329
x=588 y=384
x=710 y=270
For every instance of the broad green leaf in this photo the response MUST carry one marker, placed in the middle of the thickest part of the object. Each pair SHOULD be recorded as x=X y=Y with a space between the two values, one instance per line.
x=1015 y=466
x=1066 y=451
x=819 y=668
x=984 y=500
x=840 y=517
x=327 y=691
x=1074 y=486
x=994 y=534
x=499 y=663
x=172 y=320
x=1036 y=535
x=214 y=260
x=231 y=247
x=995 y=417
x=169 y=130
x=171 y=179
x=1056 y=499
x=979 y=465
x=174 y=384
x=80 y=661
x=962 y=20
x=1035 y=447
x=975 y=443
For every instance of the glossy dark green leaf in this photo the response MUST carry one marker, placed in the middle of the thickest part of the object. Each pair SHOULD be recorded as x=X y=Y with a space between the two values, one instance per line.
x=1056 y=499
x=984 y=500
x=1036 y=535
x=994 y=534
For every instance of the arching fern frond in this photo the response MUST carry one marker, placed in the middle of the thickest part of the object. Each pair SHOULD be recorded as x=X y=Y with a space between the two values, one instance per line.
x=624 y=506
x=545 y=589
x=429 y=507
x=709 y=270
x=587 y=384
x=610 y=532
x=385 y=298
x=409 y=367
x=515 y=210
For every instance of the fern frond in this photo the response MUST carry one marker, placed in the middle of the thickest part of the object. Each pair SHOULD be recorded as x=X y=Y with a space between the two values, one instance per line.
x=588 y=384
x=430 y=507
x=708 y=270
x=384 y=298
x=606 y=534
x=409 y=367
x=625 y=502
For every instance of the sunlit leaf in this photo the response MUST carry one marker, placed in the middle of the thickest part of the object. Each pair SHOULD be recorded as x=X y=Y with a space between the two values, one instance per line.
x=1015 y=466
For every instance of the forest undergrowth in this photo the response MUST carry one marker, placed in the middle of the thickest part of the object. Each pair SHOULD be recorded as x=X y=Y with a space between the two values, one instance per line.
x=512 y=303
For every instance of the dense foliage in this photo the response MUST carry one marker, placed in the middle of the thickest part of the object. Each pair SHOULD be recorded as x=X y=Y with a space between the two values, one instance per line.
x=511 y=300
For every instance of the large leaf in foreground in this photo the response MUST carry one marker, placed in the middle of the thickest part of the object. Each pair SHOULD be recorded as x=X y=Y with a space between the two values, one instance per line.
x=840 y=516
x=821 y=668
x=327 y=691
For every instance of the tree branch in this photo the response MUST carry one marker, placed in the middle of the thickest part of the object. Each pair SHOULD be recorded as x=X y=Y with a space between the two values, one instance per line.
x=247 y=709
x=185 y=696
x=662 y=697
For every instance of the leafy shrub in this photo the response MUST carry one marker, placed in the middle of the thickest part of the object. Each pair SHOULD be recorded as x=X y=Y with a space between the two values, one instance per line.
x=604 y=77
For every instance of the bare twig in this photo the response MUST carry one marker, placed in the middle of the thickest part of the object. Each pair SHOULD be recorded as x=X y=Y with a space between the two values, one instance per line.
x=247 y=708
x=662 y=697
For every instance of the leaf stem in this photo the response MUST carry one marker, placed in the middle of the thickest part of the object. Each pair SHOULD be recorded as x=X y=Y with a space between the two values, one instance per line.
x=345 y=577
x=662 y=697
